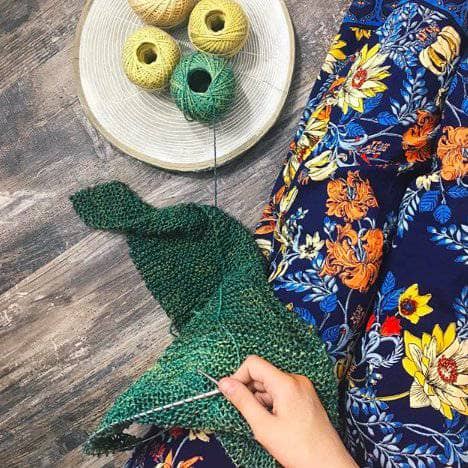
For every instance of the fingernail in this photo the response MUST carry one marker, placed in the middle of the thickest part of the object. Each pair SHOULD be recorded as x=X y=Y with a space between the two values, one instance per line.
x=226 y=385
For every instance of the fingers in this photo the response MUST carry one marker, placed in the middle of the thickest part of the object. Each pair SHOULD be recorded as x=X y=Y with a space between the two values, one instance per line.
x=256 y=415
x=255 y=369
x=265 y=399
x=255 y=386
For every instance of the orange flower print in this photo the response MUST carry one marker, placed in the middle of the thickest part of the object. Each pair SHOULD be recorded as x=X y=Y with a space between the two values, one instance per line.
x=351 y=198
x=453 y=152
x=417 y=139
x=168 y=461
x=190 y=462
x=355 y=260
x=269 y=218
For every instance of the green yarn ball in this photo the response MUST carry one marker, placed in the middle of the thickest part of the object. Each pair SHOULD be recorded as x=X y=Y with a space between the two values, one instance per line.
x=203 y=87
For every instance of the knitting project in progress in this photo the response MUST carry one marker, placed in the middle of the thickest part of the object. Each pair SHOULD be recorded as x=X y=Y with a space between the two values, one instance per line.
x=208 y=274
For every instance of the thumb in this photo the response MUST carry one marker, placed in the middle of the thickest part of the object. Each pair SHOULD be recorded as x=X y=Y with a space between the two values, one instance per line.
x=256 y=415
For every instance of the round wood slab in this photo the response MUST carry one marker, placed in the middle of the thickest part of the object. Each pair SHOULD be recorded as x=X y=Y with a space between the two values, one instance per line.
x=148 y=126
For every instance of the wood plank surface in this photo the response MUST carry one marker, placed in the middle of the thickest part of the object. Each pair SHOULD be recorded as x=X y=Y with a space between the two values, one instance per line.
x=76 y=323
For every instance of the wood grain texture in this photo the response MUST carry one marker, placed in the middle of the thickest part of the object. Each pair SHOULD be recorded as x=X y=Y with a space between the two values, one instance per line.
x=76 y=323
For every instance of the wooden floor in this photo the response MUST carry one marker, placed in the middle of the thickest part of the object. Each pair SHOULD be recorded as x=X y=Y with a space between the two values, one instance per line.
x=76 y=323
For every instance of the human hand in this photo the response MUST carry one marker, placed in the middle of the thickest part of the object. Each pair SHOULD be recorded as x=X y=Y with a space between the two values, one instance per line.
x=285 y=415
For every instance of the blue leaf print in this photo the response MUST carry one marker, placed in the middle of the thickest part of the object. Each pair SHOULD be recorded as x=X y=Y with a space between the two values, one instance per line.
x=449 y=423
x=408 y=208
x=354 y=130
x=442 y=214
x=331 y=334
x=387 y=118
x=453 y=84
x=452 y=238
x=409 y=448
x=465 y=106
x=329 y=304
x=429 y=201
x=388 y=284
x=306 y=315
x=461 y=312
x=317 y=263
x=390 y=301
x=329 y=226
x=458 y=191
x=372 y=103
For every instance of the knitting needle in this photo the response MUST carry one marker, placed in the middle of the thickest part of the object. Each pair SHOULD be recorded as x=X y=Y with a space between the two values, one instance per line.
x=188 y=400
x=208 y=377
x=202 y=396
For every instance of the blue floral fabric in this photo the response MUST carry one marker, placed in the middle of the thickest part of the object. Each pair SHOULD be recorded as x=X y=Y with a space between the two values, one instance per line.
x=367 y=233
x=366 y=229
x=179 y=448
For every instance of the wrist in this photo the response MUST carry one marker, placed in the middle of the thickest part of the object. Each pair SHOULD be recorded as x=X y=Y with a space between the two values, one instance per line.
x=327 y=451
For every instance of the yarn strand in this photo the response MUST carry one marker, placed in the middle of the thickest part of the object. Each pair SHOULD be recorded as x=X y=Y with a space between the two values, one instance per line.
x=215 y=167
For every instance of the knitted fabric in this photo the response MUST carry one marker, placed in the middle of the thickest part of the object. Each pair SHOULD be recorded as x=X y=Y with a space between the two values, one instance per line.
x=206 y=271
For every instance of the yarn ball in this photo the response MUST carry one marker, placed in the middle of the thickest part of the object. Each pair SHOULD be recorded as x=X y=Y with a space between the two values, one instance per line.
x=203 y=87
x=163 y=13
x=218 y=27
x=149 y=57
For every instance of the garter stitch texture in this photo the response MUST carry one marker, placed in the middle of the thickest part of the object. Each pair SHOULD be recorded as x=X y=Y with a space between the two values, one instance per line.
x=206 y=271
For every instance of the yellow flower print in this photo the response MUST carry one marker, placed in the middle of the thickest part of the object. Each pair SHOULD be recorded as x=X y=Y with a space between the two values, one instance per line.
x=288 y=199
x=321 y=167
x=283 y=236
x=290 y=170
x=425 y=181
x=438 y=362
x=334 y=54
x=315 y=129
x=412 y=306
x=281 y=231
x=280 y=271
x=312 y=247
x=361 y=32
x=442 y=52
x=265 y=247
x=363 y=80
x=204 y=436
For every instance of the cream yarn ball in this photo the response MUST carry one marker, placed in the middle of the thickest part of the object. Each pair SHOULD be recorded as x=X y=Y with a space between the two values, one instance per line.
x=218 y=27
x=165 y=14
x=149 y=57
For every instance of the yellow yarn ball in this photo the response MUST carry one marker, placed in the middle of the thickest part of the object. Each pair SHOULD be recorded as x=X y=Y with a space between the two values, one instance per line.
x=149 y=57
x=165 y=14
x=218 y=27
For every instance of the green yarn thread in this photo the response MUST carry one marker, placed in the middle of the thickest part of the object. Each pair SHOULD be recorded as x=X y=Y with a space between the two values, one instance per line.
x=203 y=87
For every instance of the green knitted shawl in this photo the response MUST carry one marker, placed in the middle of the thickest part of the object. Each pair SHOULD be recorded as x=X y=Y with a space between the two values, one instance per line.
x=208 y=274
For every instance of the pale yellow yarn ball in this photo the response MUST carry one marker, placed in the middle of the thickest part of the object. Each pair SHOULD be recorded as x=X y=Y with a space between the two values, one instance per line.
x=165 y=14
x=149 y=57
x=218 y=27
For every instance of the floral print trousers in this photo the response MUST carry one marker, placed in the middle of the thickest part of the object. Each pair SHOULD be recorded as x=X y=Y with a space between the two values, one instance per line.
x=366 y=232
